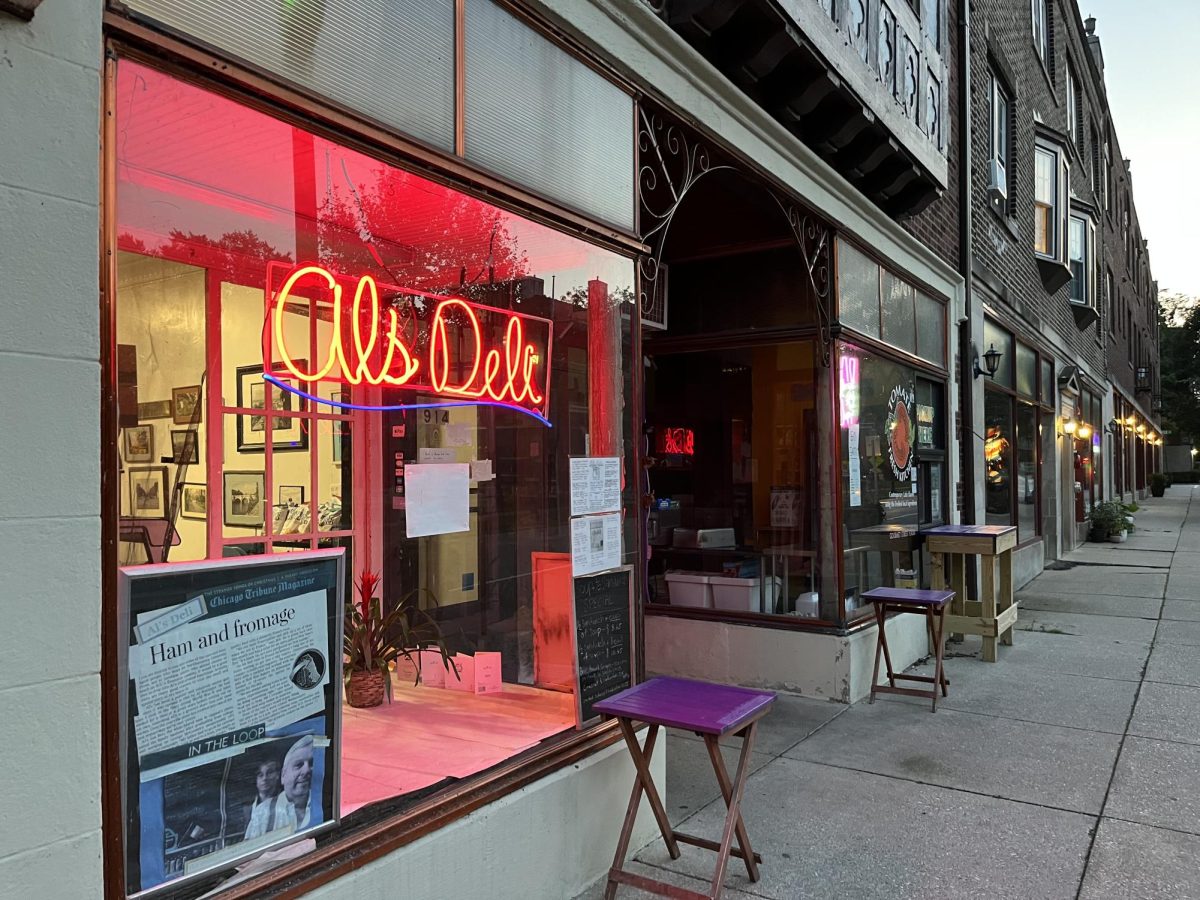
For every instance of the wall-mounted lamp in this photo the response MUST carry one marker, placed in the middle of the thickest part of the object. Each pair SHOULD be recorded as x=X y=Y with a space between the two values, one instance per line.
x=991 y=362
x=1142 y=379
x=1129 y=420
x=1084 y=432
x=1069 y=426
x=1141 y=430
x=1194 y=452
x=1115 y=425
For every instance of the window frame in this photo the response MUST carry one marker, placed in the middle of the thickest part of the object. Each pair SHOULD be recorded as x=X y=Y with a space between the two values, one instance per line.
x=1000 y=138
x=1040 y=15
x=1087 y=261
x=1073 y=129
x=1058 y=205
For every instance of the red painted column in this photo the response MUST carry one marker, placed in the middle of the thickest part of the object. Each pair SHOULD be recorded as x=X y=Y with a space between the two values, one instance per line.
x=606 y=399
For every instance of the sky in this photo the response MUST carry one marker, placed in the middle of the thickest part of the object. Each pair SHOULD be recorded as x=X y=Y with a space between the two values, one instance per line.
x=1153 y=83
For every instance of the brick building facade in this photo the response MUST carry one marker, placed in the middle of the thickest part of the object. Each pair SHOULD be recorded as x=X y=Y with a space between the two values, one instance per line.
x=1064 y=295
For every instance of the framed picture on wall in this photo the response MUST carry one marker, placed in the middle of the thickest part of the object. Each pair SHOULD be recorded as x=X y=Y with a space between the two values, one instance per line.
x=185 y=444
x=291 y=494
x=155 y=409
x=287 y=432
x=195 y=501
x=139 y=444
x=244 y=499
x=185 y=402
x=148 y=492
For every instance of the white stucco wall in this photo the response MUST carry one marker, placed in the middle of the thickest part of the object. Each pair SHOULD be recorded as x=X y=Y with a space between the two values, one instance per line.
x=821 y=666
x=49 y=469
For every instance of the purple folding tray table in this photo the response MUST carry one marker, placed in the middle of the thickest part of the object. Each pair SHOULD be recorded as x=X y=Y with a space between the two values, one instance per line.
x=711 y=711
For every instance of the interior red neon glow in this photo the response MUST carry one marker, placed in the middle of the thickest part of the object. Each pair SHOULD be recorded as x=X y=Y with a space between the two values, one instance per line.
x=679 y=441
x=456 y=349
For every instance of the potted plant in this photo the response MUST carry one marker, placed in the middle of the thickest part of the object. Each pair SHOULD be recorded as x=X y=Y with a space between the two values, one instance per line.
x=1107 y=522
x=373 y=639
x=1158 y=484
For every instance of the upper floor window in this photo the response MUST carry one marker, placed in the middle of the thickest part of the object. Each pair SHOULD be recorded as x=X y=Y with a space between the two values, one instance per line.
x=1110 y=301
x=1041 y=29
x=1081 y=238
x=1049 y=201
x=1000 y=116
x=1072 y=107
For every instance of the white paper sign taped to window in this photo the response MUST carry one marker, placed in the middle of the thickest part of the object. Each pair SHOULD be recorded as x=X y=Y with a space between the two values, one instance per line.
x=437 y=499
x=855 y=461
x=595 y=485
x=595 y=543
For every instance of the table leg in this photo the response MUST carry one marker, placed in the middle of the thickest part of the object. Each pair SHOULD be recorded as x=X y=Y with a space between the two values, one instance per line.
x=718 y=762
x=733 y=817
x=642 y=781
x=937 y=571
x=878 y=646
x=958 y=584
x=937 y=624
x=988 y=588
x=1006 y=591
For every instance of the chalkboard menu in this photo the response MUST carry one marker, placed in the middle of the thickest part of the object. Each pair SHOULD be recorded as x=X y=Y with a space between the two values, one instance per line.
x=601 y=615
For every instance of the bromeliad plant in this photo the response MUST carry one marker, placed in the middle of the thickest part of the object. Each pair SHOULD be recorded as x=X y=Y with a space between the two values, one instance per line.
x=372 y=639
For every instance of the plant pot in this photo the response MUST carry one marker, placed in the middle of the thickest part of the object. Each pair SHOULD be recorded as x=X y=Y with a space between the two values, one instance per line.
x=366 y=689
x=1118 y=538
x=1157 y=491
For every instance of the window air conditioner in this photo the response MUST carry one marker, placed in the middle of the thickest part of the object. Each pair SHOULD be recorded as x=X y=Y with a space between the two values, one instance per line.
x=997 y=182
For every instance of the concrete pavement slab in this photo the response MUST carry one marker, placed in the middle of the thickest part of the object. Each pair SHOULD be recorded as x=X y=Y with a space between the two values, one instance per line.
x=1149 y=540
x=1169 y=712
x=1062 y=767
x=1184 y=584
x=1155 y=783
x=1129 y=860
x=1067 y=654
x=1181 y=611
x=791 y=720
x=691 y=783
x=1073 y=701
x=1093 y=627
x=1175 y=632
x=1125 y=581
x=1174 y=664
x=1119 y=555
x=828 y=833
x=1091 y=604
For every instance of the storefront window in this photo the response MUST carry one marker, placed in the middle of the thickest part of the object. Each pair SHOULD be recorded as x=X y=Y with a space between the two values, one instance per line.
x=1027 y=471
x=998 y=457
x=241 y=243
x=736 y=449
x=895 y=436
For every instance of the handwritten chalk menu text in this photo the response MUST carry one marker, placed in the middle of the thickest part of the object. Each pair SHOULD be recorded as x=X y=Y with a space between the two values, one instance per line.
x=601 y=612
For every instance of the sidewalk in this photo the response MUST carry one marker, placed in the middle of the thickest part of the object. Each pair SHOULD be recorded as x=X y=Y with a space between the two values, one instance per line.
x=1069 y=769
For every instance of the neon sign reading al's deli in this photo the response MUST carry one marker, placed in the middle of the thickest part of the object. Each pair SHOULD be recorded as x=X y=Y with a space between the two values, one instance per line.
x=450 y=350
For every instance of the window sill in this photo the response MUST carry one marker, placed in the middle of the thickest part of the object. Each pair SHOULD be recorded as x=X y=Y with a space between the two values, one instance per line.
x=1055 y=273
x=1085 y=315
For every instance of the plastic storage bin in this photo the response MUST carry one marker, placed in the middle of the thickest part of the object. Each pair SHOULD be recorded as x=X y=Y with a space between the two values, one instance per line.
x=742 y=594
x=690 y=589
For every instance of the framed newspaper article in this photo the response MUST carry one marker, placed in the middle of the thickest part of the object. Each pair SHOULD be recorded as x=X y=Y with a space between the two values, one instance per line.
x=231 y=710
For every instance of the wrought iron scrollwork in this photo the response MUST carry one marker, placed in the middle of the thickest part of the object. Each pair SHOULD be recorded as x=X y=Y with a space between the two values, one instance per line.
x=814 y=240
x=671 y=162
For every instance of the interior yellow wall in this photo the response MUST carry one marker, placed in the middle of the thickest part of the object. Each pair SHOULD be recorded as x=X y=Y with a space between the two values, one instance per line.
x=445 y=558
x=775 y=370
x=160 y=310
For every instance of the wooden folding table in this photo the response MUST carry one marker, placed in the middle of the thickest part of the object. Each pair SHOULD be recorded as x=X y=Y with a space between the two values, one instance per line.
x=711 y=711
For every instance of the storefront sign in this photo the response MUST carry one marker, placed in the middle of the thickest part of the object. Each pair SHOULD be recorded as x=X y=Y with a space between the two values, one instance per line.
x=601 y=616
x=595 y=543
x=675 y=442
x=900 y=431
x=461 y=352
x=848 y=396
x=595 y=484
x=232 y=726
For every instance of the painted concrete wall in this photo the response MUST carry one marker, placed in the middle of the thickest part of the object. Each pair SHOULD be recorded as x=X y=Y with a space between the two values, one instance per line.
x=824 y=666
x=550 y=839
x=49 y=469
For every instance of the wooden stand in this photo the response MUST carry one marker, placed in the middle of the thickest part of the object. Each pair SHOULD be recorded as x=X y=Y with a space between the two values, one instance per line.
x=930 y=604
x=711 y=711
x=995 y=613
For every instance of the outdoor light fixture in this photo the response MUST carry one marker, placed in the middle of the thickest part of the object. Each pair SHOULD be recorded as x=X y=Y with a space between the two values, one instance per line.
x=1085 y=431
x=1129 y=420
x=1141 y=430
x=1068 y=426
x=1115 y=425
x=1142 y=379
x=991 y=362
x=1194 y=451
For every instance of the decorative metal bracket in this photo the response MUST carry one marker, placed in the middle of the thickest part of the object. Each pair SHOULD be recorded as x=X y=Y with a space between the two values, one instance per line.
x=670 y=158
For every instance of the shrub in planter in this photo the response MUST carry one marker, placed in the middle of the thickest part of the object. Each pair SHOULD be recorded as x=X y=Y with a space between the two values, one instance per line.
x=1158 y=484
x=1107 y=521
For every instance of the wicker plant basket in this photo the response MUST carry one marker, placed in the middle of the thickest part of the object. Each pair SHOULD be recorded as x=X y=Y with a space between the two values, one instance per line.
x=365 y=689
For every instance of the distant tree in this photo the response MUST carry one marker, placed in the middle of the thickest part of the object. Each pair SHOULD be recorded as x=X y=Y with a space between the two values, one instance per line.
x=1180 y=362
x=1175 y=306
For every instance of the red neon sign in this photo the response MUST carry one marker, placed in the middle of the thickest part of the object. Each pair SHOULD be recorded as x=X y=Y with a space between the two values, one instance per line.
x=678 y=441
x=457 y=350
